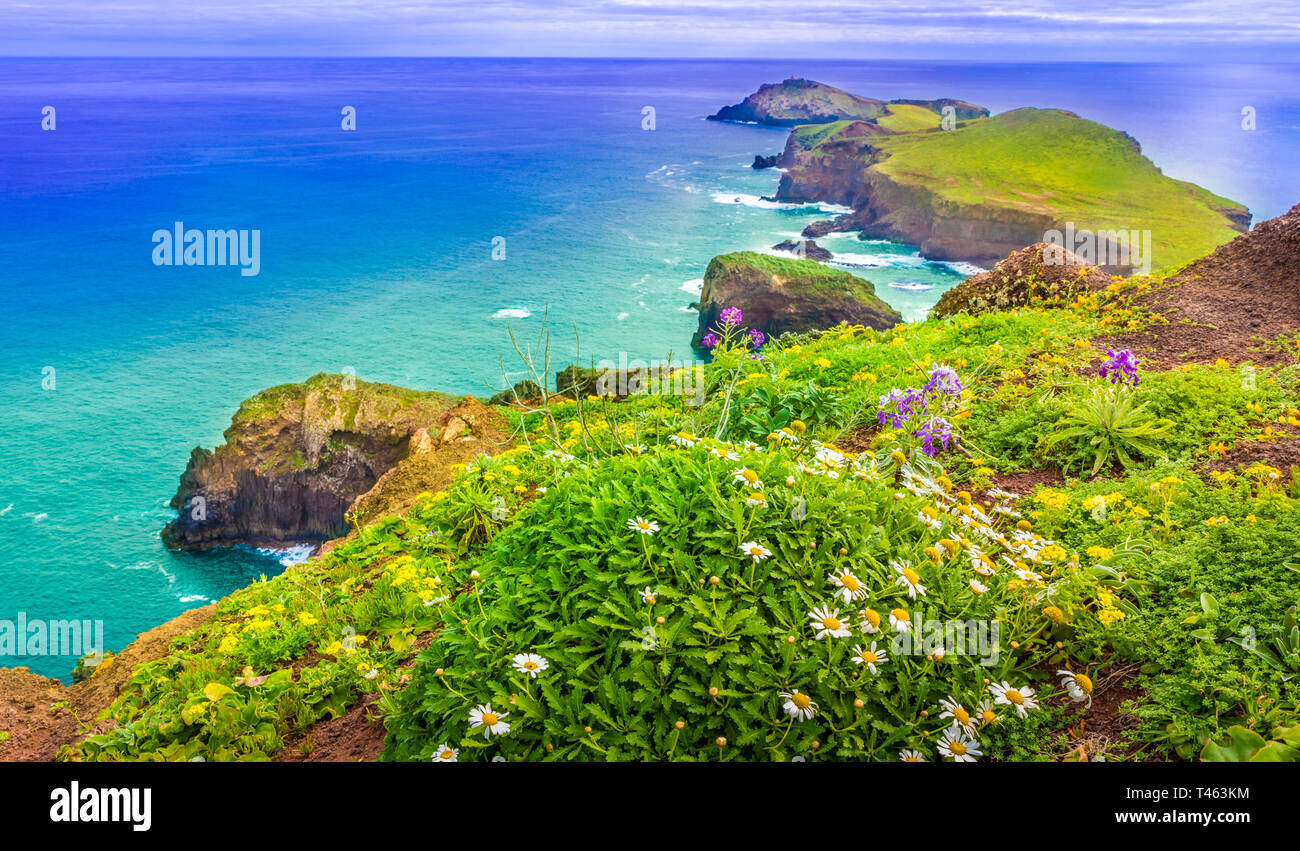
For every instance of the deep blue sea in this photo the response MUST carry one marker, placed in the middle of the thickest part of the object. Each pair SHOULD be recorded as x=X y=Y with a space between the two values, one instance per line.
x=377 y=251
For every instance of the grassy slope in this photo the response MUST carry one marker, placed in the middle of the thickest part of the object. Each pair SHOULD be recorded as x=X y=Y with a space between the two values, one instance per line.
x=907 y=118
x=1051 y=162
x=1024 y=370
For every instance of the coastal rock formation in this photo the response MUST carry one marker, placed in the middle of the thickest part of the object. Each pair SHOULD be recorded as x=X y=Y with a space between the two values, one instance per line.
x=762 y=162
x=805 y=248
x=991 y=186
x=777 y=295
x=295 y=458
x=1039 y=270
x=798 y=101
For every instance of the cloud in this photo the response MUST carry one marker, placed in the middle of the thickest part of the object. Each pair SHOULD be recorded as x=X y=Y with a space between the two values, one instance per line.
x=642 y=28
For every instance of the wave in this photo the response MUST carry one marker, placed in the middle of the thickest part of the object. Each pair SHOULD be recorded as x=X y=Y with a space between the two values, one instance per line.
x=512 y=313
x=192 y=598
x=694 y=286
x=911 y=286
x=289 y=556
x=961 y=268
x=761 y=203
x=876 y=261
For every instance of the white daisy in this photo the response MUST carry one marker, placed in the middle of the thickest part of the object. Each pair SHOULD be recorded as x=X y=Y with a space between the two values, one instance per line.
x=491 y=722
x=929 y=522
x=957 y=746
x=908 y=579
x=747 y=477
x=444 y=753
x=899 y=620
x=756 y=500
x=960 y=717
x=530 y=664
x=978 y=587
x=850 y=587
x=911 y=756
x=869 y=657
x=1021 y=699
x=683 y=438
x=648 y=597
x=1078 y=685
x=634 y=448
x=798 y=706
x=985 y=713
x=755 y=550
x=643 y=526
x=827 y=623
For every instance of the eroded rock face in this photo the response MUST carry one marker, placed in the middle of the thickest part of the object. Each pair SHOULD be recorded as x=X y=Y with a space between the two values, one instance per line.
x=1040 y=270
x=295 y=458
x=797 y=101
x=779 y=295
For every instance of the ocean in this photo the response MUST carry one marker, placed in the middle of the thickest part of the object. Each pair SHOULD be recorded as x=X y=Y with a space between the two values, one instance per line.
x=473 y=195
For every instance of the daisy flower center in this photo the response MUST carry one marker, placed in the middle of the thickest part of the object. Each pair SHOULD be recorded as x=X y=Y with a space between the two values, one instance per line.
x=447 y=754
x=1084 y=683
x=490 y=718
x=529 y=666
x=831 y=623
x=849 y=582
x=988 y=715
x=749 y=476
x=800 y=700
x=901 y=615
x=869 y=656
x=911 y=576
x=756 y=551
x=961 y=715
x=957 y=748
x=1014 y=696
x=873 y=617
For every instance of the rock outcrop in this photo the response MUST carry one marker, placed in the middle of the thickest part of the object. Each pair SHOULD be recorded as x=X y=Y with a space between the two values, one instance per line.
x=1040 y=270
x=296 y=457
x=778 y=295
x=804 y=248
x=797 y=101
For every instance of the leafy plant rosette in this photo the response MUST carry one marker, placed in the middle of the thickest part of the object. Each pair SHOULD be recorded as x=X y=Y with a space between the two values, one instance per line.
x=710 y=601
x=1110 y=424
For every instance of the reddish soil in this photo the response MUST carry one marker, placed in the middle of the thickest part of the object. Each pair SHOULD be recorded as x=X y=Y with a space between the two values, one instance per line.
x=1229 y=303
x=37 y=730
x=1283 y=453
x=354 y=736
x=1100 y=728
x=1024 y=482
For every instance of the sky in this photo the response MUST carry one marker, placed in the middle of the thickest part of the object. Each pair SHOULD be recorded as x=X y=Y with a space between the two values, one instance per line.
x=1135 y=30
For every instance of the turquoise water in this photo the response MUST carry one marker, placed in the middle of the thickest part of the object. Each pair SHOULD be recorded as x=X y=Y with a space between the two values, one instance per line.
x=376 y=252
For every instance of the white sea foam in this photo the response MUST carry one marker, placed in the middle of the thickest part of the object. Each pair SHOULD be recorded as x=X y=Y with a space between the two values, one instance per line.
x=289 y=556
x=960 y=268
x=192 y=598
x=512 y=313
x=876 y=261
x=760 y=203
x=911 y=286
x=622 y=316
x=7 y=509
x=694 y=286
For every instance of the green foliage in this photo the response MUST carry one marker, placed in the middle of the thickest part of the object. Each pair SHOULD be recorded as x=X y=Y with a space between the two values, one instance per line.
x=1108 y=426
x=1241 y=745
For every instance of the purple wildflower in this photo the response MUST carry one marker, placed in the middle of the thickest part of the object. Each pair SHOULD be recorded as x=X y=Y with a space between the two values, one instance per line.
x=943 y=379
x=756 y=338
x=730 y=316
x=709 y=340
x=1120 y=367
x=898 y=406
x=935 y=428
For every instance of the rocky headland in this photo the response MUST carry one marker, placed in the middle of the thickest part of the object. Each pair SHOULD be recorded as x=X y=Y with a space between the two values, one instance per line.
x=978 y=187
